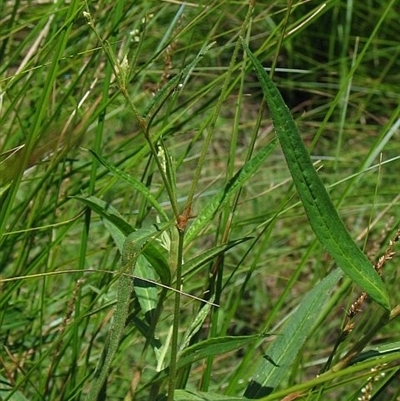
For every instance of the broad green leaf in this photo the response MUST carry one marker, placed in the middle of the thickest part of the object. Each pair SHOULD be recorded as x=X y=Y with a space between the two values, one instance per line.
x=323 y=217
x=281 y=354
x=133 y=182
x=204 y=349
x=220 y=199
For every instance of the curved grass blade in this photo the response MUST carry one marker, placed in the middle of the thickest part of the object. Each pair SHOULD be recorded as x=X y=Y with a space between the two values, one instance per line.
x=107 y=212
x=243 y=175
x=281 y=354
x=323 y=217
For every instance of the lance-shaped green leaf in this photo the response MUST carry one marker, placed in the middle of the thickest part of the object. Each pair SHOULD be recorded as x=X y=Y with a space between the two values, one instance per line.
x=281 y=354
x=233 y=185
x=133 y=182
x=323 y=217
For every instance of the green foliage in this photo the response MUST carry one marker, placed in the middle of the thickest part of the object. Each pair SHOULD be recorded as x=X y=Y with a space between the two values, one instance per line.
x=153 y=244
x=323 y=217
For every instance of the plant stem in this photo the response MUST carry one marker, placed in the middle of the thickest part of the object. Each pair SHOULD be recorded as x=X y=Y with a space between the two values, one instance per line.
x=175 y=328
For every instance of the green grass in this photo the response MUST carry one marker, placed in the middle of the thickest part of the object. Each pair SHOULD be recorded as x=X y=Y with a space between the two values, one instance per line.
x=145 y=121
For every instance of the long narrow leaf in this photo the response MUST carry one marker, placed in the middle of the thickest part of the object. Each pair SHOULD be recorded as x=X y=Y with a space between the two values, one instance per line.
x=186 y=395
x=282 y=353
x=323 y=217
x=133 y=182
x=213 y=347
x=378 y=351
x=243 y=175
x=204 y=349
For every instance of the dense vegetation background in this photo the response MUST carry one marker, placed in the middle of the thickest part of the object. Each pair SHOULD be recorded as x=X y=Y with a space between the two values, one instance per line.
x=125 y=116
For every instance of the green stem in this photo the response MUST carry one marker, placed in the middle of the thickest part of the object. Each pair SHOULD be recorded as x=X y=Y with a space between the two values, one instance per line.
x=175 y=328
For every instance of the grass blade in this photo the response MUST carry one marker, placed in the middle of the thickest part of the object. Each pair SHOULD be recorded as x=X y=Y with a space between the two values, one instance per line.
x=378 y=351
x=323 y=217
